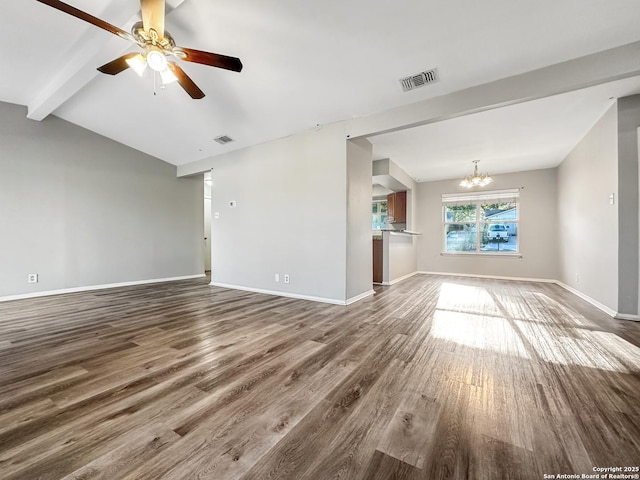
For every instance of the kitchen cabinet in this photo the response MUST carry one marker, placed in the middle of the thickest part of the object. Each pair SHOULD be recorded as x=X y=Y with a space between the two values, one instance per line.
x=397 y=207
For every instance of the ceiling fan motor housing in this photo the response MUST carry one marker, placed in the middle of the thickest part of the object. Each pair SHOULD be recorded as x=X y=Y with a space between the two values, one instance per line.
x=151 y=38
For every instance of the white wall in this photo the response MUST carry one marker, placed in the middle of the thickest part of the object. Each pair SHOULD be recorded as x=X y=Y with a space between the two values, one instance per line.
x=207 y=227
x=403 y=250
x=359 y=191
x=291 y=215
x=81 y=210
x=402 y=255
x=588 y=223
x=537 y=230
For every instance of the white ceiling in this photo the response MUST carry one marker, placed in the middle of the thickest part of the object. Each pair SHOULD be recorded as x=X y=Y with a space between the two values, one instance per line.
x=307 y=63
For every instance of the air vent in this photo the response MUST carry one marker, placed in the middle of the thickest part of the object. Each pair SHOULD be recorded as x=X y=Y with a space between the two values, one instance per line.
x=419 y=80
x=223 y=139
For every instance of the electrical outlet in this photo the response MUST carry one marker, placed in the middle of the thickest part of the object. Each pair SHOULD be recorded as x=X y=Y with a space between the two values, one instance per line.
x=32 y=278
x=277 y=278
x=216 y=215
x=286 y=278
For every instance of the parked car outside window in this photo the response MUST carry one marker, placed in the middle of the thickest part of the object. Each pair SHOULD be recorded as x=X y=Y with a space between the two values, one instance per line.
x=498 y=232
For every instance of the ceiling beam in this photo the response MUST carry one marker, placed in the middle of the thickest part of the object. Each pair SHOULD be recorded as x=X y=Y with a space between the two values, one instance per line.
x=94 y=48
x=588 y=71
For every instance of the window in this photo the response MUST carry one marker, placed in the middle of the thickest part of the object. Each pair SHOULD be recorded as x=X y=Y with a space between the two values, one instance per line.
x=379 y=214
x=481 y=222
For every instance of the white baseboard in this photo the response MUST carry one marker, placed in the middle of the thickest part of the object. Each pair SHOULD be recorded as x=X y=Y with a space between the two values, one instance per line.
x=609 y=311
x=600 y=306
x=279 y=294
x=595 y=303
x=494 y=277
x=89 y=288
x=399 y=279
x=359 y=297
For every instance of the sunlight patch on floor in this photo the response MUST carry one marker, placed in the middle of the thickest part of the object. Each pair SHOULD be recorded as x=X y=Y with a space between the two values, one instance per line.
x=466 y=298
x=568 y=314
x=478 y=331
x=584 y=348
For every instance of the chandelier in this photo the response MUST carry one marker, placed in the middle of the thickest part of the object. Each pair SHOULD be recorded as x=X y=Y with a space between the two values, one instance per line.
x=477 y=179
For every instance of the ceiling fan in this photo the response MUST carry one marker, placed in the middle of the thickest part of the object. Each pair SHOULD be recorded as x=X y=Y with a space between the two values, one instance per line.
x=157 y=44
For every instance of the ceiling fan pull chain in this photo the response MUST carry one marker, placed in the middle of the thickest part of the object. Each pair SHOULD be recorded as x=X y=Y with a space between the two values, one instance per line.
x=154 y=83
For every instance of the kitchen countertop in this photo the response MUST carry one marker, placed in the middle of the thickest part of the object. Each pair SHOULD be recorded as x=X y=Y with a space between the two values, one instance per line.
x=378 y=233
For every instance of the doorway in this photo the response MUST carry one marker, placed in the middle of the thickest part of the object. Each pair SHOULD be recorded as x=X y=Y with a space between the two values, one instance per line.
x=207 y=222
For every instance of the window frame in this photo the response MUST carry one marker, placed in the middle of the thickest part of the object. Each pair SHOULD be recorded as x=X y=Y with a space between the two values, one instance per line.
x=478 y=199
x=378 y=203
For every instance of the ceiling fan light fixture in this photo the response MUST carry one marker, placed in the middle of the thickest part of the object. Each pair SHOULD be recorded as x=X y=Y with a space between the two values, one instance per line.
x=156 y=60
x=137 y=64
x=167 y=76
x=477 y=179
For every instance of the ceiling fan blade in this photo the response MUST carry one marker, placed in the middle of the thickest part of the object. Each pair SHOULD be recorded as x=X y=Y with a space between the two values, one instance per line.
x=153 y=16
x=63 y=7
x=118 y=65
x=185 y=82
x=211 y=59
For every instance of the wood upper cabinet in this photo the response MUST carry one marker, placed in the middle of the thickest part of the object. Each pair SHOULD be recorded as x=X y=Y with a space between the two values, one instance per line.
x=397 y=207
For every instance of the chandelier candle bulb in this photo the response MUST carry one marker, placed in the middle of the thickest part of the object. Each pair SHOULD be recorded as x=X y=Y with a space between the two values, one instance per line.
x=477 y=179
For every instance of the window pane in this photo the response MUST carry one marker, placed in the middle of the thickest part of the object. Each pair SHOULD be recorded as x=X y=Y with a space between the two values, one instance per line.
x=379 y=215
x=379 y=222
x=460 y=213
x=484 y=222
x=499 y=237
x=460 y=238
x=498 y=212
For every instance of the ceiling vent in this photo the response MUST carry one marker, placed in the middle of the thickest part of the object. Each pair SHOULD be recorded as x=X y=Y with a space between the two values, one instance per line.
x=419 y=80
x=223 y=139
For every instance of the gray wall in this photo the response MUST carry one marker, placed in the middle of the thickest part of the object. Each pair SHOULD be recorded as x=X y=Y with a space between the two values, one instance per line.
x=628 y=245
x=359 y=244
x=81 y=210
x=588 y=223
x=290 y=218
x=402 y=256
x=537 y=230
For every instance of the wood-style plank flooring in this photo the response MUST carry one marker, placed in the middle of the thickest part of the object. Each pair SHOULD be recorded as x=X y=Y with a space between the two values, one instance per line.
x=435 y=377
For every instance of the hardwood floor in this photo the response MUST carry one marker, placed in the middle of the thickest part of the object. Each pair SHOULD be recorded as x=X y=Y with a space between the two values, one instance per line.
x=435 y=377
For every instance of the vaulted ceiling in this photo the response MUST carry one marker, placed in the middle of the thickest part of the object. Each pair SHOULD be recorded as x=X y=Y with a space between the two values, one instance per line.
x=310 y=63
